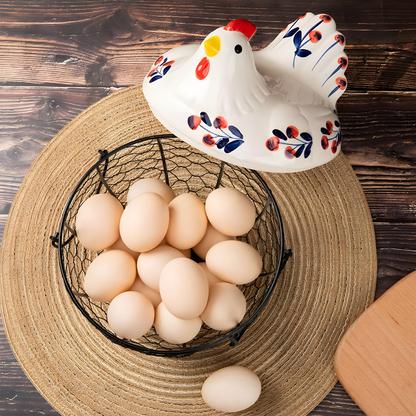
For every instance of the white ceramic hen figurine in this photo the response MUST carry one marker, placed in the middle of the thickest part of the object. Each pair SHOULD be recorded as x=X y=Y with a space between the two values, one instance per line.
x=271 y=110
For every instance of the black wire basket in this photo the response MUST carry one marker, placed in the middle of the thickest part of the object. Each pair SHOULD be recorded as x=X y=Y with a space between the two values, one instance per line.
x=184 y=169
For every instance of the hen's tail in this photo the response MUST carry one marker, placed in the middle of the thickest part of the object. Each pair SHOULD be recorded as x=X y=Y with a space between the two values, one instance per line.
x=311 y=51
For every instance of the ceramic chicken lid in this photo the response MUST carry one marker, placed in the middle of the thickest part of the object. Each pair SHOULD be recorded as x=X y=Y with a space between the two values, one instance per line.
x=271 y=110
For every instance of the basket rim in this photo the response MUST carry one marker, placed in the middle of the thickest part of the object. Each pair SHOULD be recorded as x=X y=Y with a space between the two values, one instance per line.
x=232 y=335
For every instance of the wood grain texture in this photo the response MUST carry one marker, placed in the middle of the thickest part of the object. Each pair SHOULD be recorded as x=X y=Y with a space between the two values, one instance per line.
x=59 y=57
x=114 y=43
x=375 y=359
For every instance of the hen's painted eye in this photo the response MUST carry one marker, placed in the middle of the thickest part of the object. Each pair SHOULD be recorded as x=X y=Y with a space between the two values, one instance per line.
x=238 y=49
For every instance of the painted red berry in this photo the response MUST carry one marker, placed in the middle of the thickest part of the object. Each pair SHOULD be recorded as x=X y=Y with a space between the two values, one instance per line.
x=334 y=146
x=315 y=36
x=325 y=18
x=292 y=131
x=208 y=140
x=324 y=142
x=272 y=144
x=220 y=123
x=342 y=83
x=290 y=153
x=194 y=122
x=340 y=39
x=343 y=61
x=329 y=126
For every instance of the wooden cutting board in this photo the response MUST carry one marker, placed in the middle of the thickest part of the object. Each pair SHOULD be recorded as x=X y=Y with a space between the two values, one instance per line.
x=376 y=359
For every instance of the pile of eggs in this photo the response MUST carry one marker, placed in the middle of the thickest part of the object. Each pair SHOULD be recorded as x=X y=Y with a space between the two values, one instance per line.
x=145 y=271
x=146 y=274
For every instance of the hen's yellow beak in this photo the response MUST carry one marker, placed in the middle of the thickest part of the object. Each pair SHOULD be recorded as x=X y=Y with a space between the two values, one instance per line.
x=212 y=46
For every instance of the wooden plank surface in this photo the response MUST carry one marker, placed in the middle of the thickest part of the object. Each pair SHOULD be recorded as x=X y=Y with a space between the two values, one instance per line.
x=375 y=360
x=59 y=57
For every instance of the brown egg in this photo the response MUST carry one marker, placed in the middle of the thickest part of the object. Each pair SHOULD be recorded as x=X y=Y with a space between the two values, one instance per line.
x=184 y=288
x=234 y=262
x=211 y=237
x=150 y=185
x=226 y=307
x=230 y=211
x=231 y=389
x=97 y=222
x=152 y=295
x=144 y=222
x=175 y=330
x=130 y=315
x=151 y=263
x=187 y=223
x=210 y=277
x=119 y=245
x=109 y=274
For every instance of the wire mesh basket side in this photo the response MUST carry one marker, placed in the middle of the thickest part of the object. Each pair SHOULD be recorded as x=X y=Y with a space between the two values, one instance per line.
x=184 y=169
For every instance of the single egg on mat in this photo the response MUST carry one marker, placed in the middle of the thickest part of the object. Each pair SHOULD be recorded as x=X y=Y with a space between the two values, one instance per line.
x=230 y=211
x=187 y=222
x=152 y=295
x=175 y=330
x=111 y=273
x=184 y=288
x=130 y=315
x=234 y=262
x=231 y=389
x=150 y=185
x=151 y=263
x=226 y=307
x=144 y=222
x=210 y=238
x=97 y=222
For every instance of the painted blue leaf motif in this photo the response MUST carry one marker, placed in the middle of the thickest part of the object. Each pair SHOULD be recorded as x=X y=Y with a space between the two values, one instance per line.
x=279 y=134
x=165 y=71
x=233 y=145
x=291 y=32
x=297 y=39
x=165 y=60
x=306 y=136
x=155 y=78
x=300 y=151
x=222 y=142
x=303 y=53
x=205 y=118
x=234 y=130
x=324 y=131
x=336 y=123
x=308 y=150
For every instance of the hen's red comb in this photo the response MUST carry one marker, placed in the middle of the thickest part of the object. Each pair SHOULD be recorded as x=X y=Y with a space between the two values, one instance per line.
x=242 y=25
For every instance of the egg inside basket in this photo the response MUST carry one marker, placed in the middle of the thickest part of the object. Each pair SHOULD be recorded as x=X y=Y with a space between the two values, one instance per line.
x=184 y=169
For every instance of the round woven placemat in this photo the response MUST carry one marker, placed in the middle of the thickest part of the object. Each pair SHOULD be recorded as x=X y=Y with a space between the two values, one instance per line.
x=325 y=286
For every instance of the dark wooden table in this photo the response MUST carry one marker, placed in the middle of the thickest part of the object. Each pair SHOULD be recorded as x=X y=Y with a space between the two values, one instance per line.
x=59 y=57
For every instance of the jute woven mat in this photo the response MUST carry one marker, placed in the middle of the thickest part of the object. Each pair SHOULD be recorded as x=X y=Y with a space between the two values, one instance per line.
x=325 y=286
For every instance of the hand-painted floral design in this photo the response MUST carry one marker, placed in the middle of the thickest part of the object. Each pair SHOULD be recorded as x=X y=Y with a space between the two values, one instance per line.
x=160 y=68
x=327 y=131
x=341 y=84
x=342 y=64
x=299 y=40
x=339 y=40
x=219 y=137
x=296 y=144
